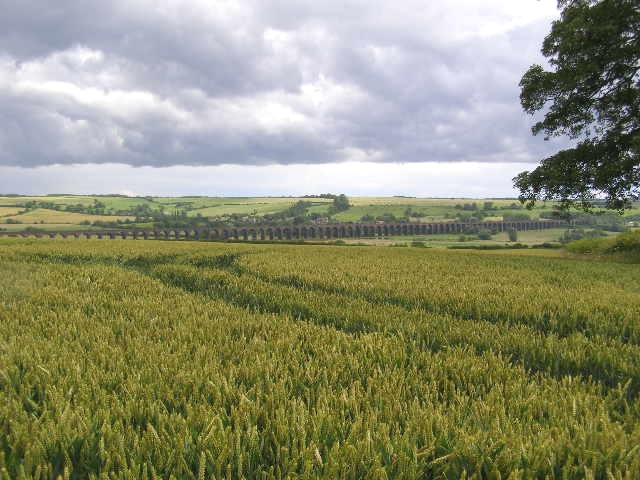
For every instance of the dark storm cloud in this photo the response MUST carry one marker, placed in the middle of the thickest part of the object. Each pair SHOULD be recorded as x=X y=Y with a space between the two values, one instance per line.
x=206 y=83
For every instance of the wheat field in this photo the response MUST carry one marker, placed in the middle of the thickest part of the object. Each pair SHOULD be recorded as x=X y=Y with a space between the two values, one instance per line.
x=145 y=360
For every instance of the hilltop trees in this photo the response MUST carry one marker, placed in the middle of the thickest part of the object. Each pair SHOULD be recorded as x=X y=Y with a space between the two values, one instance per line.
x=340 y=204
x=591 y=93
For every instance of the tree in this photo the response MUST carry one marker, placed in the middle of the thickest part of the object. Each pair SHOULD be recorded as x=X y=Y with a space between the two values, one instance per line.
x=513 y=235
x=591 y=94
x=340 y=204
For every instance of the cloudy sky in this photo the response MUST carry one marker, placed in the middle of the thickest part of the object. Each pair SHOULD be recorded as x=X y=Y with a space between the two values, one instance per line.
x=267 y=97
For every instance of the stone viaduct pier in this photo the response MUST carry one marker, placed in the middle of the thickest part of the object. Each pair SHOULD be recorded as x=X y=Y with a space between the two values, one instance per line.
x=295 y=232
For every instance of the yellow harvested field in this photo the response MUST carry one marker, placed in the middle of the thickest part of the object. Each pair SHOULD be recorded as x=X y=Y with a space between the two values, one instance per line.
x=8 y=211
x=43 y=215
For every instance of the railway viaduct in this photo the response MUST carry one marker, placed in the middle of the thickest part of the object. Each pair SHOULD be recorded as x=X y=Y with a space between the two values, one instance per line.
x=295 y=232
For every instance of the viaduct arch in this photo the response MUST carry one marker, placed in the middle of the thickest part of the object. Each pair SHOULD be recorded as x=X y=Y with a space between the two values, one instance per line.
x=295 y=232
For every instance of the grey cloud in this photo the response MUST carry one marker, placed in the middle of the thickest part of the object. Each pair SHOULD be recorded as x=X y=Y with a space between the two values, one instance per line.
x=260 y=82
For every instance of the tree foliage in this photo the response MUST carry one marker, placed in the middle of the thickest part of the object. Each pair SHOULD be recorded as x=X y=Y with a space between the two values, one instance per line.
x=340 y=204
x=591 y=94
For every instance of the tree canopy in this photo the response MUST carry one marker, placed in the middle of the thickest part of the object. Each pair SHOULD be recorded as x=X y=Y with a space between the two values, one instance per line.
x=590 y=93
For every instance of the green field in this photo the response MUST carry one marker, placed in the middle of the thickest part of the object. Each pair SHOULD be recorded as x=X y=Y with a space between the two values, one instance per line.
x=193 y=206
x=254 y=206
x=424 y=202
x=133 y=359
x=112 y=202
x=252 y=209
